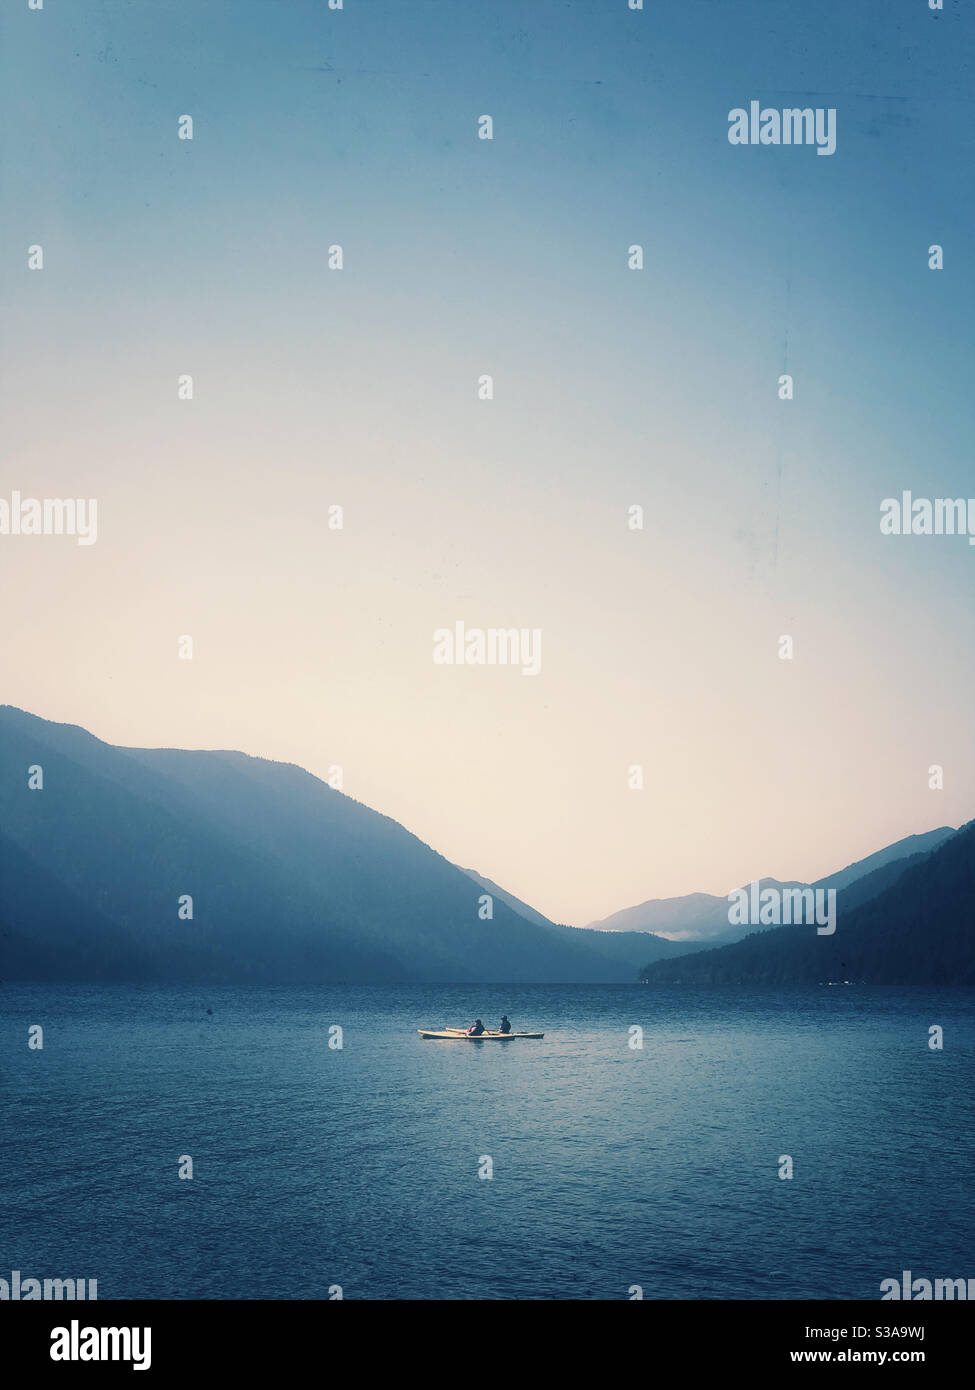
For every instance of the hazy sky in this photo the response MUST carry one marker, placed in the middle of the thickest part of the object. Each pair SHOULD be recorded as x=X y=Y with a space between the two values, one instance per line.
x=613 y=387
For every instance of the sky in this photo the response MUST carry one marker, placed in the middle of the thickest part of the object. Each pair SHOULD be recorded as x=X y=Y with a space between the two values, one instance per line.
x=463 y=257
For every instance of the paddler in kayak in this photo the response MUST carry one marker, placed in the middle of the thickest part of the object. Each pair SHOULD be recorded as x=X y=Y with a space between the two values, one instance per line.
x=505 y=1025
x=476 y=1029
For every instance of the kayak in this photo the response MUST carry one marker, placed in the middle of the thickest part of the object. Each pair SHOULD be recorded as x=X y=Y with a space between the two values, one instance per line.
x=480 y=1037
x=461 y=1033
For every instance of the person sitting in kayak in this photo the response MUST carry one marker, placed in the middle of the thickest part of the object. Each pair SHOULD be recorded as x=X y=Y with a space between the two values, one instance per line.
x=476 y=1029
x=505 y=1025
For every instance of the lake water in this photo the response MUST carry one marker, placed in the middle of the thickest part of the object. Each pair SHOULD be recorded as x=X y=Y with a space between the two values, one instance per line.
x=611 y=1166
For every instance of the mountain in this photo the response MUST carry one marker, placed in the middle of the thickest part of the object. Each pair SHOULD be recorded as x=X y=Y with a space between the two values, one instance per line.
x=909 y=847
x=291 y=881
x=695 y=915
x=920 y=929
x=698 y=917
x=703 y=917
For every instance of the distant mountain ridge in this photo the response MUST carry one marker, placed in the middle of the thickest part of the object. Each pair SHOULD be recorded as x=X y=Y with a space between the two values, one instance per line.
x=703 y=917
x=920 y=929
x=903 y=849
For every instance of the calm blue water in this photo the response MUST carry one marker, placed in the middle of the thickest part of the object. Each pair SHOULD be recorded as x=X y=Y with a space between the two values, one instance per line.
x=612 y=1167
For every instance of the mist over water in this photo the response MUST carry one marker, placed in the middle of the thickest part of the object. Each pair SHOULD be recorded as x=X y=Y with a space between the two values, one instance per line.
x=613 y=1167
